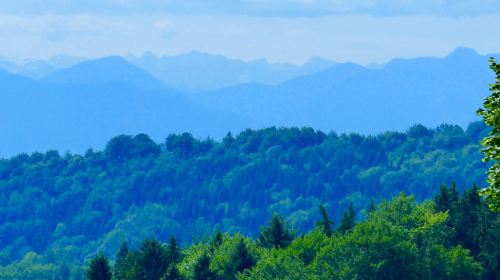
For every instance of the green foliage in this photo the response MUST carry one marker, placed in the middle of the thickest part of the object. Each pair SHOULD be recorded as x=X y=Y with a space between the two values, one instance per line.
x=121 y=260
x=278 y=266
x=201 y=270
x=172 y=273
x=98 y=269
x=325 y=224
x=348 y=220
x=31 y=267
x=66 y=207
x=400 y=239
x=276 y=234
x=153 y=260
x=491 y=143
x=174 y=250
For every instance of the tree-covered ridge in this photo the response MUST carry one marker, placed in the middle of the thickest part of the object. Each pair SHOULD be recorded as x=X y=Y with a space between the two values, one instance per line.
x=62 y=209
x=452 y=237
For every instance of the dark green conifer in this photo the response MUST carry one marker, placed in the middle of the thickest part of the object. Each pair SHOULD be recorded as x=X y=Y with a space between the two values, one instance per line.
x=172 y=273
x=174 y=250
x=276 y=234
x=372 y=206
x=98 y=269
x=202 y=269
x=153 y=260
x=241 y=259
x=325 y=224
x=348 y=220
x=121 y=261
x=216 y=240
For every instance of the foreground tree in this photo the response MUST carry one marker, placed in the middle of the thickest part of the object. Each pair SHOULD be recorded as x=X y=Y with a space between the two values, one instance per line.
x=241 y=259
x=348 y=219
x=98 y=269
x=120 y=267
x=325 y=224
x=202 y=270
x=174 y=250
x=276 y=235
x=491 y=143
x=153 y=260
x=172 y=273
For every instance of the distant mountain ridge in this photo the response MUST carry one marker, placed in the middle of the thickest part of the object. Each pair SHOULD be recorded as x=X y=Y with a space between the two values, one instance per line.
x=196 y=71
x=71 y=112
x=192 y=71
x=348 y=97
x=37 y=68
x=113 y=69
x=85 y=104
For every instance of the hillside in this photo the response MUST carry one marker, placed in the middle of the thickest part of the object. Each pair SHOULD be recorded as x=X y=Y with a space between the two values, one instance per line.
x=137 y=188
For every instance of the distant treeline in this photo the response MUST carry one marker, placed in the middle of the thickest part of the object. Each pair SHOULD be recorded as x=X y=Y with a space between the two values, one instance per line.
x=60 y=209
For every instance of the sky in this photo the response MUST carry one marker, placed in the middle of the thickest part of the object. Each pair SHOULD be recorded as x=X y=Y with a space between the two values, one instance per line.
x=363 y=31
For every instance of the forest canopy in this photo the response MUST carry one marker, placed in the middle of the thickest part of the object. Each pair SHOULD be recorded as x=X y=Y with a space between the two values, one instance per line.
x=60 y=210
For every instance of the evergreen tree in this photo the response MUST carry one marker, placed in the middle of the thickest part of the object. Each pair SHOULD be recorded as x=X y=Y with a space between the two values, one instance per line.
x=325 y=224
x=202 y=269
x=172 y=273
x=372 y=206
x=348 y=220
x=447 y=198
x=276 y=234
x=241 y=259
x=174 y=250
x=121 y=261
x=98 y=269
x=153 y=260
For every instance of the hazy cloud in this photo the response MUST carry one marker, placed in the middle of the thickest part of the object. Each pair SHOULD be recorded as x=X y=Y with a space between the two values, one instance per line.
x=358 y=38
x=281 y=8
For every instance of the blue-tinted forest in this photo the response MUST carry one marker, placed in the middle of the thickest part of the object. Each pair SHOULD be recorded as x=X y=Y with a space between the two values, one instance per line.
x=61 y=210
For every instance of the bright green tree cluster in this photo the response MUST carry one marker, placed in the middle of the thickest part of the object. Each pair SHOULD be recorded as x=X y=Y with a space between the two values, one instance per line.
x=491 y=143
x=451 y=237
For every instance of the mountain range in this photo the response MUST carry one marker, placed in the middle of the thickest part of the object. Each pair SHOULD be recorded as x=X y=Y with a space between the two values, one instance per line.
x=348 y=97
x=80 y=104
x=195 y=71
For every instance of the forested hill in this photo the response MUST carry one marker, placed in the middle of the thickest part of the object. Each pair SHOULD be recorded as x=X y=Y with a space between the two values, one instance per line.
x=76 y=205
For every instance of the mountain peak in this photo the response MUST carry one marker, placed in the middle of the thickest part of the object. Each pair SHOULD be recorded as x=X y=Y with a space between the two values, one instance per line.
x=111 y=69
x=317 y=62
x=463 y=52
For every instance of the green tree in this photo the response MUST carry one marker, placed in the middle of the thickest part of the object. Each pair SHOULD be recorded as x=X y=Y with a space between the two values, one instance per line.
x=241 y=260
x=348 y=220
x=174 y=250
x=325 y=224
x=446 y=198
x=153 y=260
x=98 y=269
x=120 y=267
x=371 y=207
x=172 y=273
x=278 y=265
x=491 y=143
x=276 y=234
x=201 y=270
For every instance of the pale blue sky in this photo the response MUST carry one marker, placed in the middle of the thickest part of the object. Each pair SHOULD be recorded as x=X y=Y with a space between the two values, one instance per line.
x=280 y=30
